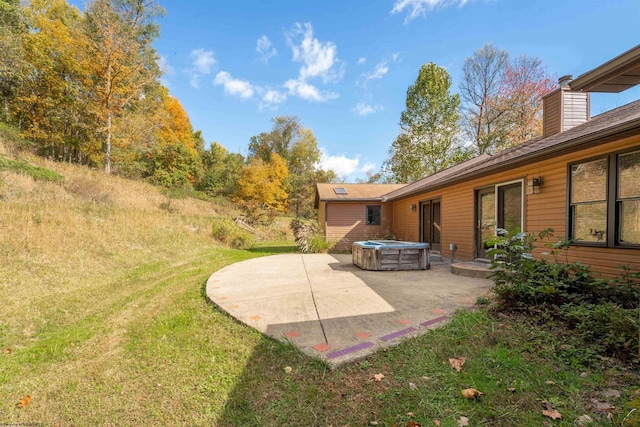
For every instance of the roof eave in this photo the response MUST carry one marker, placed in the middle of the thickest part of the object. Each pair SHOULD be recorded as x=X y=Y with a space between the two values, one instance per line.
x=596 y=79
x=632 y=128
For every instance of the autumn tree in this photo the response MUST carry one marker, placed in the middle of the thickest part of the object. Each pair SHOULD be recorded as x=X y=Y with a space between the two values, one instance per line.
x=298 y=146
x=174 y=158
x=502 y=99
x=480 y=87
x=524 y=83
x=51 y=100
x=429 y=127
x=262 y=186
x=124 y=61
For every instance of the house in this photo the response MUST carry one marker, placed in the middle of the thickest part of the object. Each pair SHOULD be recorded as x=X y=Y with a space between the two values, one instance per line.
x=349 y=213
x=581 y=178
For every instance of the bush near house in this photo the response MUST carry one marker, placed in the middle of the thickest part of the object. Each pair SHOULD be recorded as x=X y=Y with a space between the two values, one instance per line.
x=602 y=312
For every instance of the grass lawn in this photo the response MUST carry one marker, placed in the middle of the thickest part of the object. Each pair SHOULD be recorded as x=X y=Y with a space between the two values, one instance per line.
x=104 y=322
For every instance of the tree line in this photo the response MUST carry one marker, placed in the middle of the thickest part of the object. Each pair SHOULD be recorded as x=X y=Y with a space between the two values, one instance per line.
x=84 y=87
x=499 y=105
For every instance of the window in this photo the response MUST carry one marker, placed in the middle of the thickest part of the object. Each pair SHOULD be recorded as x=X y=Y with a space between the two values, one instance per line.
x=373 y=215
x=340 y=190
x=604 y=200
x=628 y=199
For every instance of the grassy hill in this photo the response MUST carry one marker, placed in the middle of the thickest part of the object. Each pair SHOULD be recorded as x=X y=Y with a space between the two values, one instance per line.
x=103 y=322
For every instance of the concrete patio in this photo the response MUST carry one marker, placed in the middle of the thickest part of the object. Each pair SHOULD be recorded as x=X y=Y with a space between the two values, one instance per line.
x=330 y=308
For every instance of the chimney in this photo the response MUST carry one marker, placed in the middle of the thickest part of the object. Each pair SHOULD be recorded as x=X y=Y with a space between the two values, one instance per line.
x=563 y=108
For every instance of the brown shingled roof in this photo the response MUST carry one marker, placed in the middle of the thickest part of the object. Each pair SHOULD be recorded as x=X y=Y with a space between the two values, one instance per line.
x=354 y=192
x=615 y=124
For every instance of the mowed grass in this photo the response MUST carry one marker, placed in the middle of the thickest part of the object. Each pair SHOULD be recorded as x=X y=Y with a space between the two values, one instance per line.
x=104 y=322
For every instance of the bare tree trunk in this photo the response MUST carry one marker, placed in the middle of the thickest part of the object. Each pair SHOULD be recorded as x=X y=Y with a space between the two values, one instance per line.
x=107 y=154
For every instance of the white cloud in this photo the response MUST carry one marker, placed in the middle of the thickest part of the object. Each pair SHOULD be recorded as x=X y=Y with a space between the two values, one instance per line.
x=344 y=166
x=364 y=109
x=418 y=8
x=166 y=69
x=361 y=60
x=203 y=61
x=263 y=47
x=319 y=59
x=236 y=87
x=307 y=91
x=378 y=72
x=272 y=98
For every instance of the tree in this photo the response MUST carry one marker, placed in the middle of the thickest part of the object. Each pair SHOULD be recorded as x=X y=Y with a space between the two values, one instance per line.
x=297 y=145
x=13 y=28
x=429 y=127
x=175 y=160
x=51 y=101
x=525 y=81
x=124 y=60
x=481 y=84
x=263 y=186
x=221 y=171
x=502 y=98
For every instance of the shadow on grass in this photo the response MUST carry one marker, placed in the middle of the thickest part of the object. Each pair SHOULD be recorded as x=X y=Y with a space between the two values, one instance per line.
x=281 y=249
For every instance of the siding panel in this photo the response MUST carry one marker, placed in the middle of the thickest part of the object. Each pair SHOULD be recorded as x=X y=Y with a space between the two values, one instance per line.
x=547 y=209
x=347 y=223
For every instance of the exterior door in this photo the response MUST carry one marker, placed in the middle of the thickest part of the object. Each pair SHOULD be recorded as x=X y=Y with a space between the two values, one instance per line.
x=498 y=207
x=431 y=224
x=486 y=220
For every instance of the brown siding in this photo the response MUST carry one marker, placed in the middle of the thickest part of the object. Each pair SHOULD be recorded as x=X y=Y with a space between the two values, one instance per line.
x=347 y=223
x=548 y=209
x=322 y=215
x=551 y=113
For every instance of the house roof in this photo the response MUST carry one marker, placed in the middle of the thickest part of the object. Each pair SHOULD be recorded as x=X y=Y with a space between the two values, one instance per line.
x=435 y=178
x=616 y=75
x=615 y=124
x=353 y=192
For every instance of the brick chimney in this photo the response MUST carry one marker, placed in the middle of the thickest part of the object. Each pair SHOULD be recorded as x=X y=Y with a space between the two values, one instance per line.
x=563 y=108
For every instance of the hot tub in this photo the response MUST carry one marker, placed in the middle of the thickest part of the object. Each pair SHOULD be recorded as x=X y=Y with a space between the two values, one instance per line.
x=390 y=255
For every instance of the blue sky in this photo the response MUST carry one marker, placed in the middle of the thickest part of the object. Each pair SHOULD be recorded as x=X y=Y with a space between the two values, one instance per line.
x=344 y=66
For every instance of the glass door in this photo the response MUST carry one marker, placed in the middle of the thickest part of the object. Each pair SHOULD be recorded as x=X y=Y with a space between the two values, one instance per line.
x=497 y=207
x=431 y=224
x=486 y=220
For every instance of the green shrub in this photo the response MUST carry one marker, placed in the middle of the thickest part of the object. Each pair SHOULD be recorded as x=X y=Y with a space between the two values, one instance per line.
x=522 y=281
x=606 y=327
x=228 y=233
x=36 y=172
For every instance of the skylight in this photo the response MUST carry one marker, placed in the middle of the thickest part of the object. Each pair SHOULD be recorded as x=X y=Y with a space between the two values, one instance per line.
x=340 y=190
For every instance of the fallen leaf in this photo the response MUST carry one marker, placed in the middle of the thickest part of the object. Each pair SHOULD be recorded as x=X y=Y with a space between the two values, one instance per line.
x=548 y=382
x=553 y=414
x=600 y=405
x=426 y=378
x=7 y=351
x=412 y=386
x=511 y=389
x=436 y=422
x=582 y=420
x=378 y=377
x=24 y=402
x=412 y=423
x=471 y=393
x=288 y=369
x=410 y=414
x=463 y=421
x=456 y=363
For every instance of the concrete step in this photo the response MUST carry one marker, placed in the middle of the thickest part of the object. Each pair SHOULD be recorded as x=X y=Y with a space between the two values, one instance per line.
x=478 y=270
